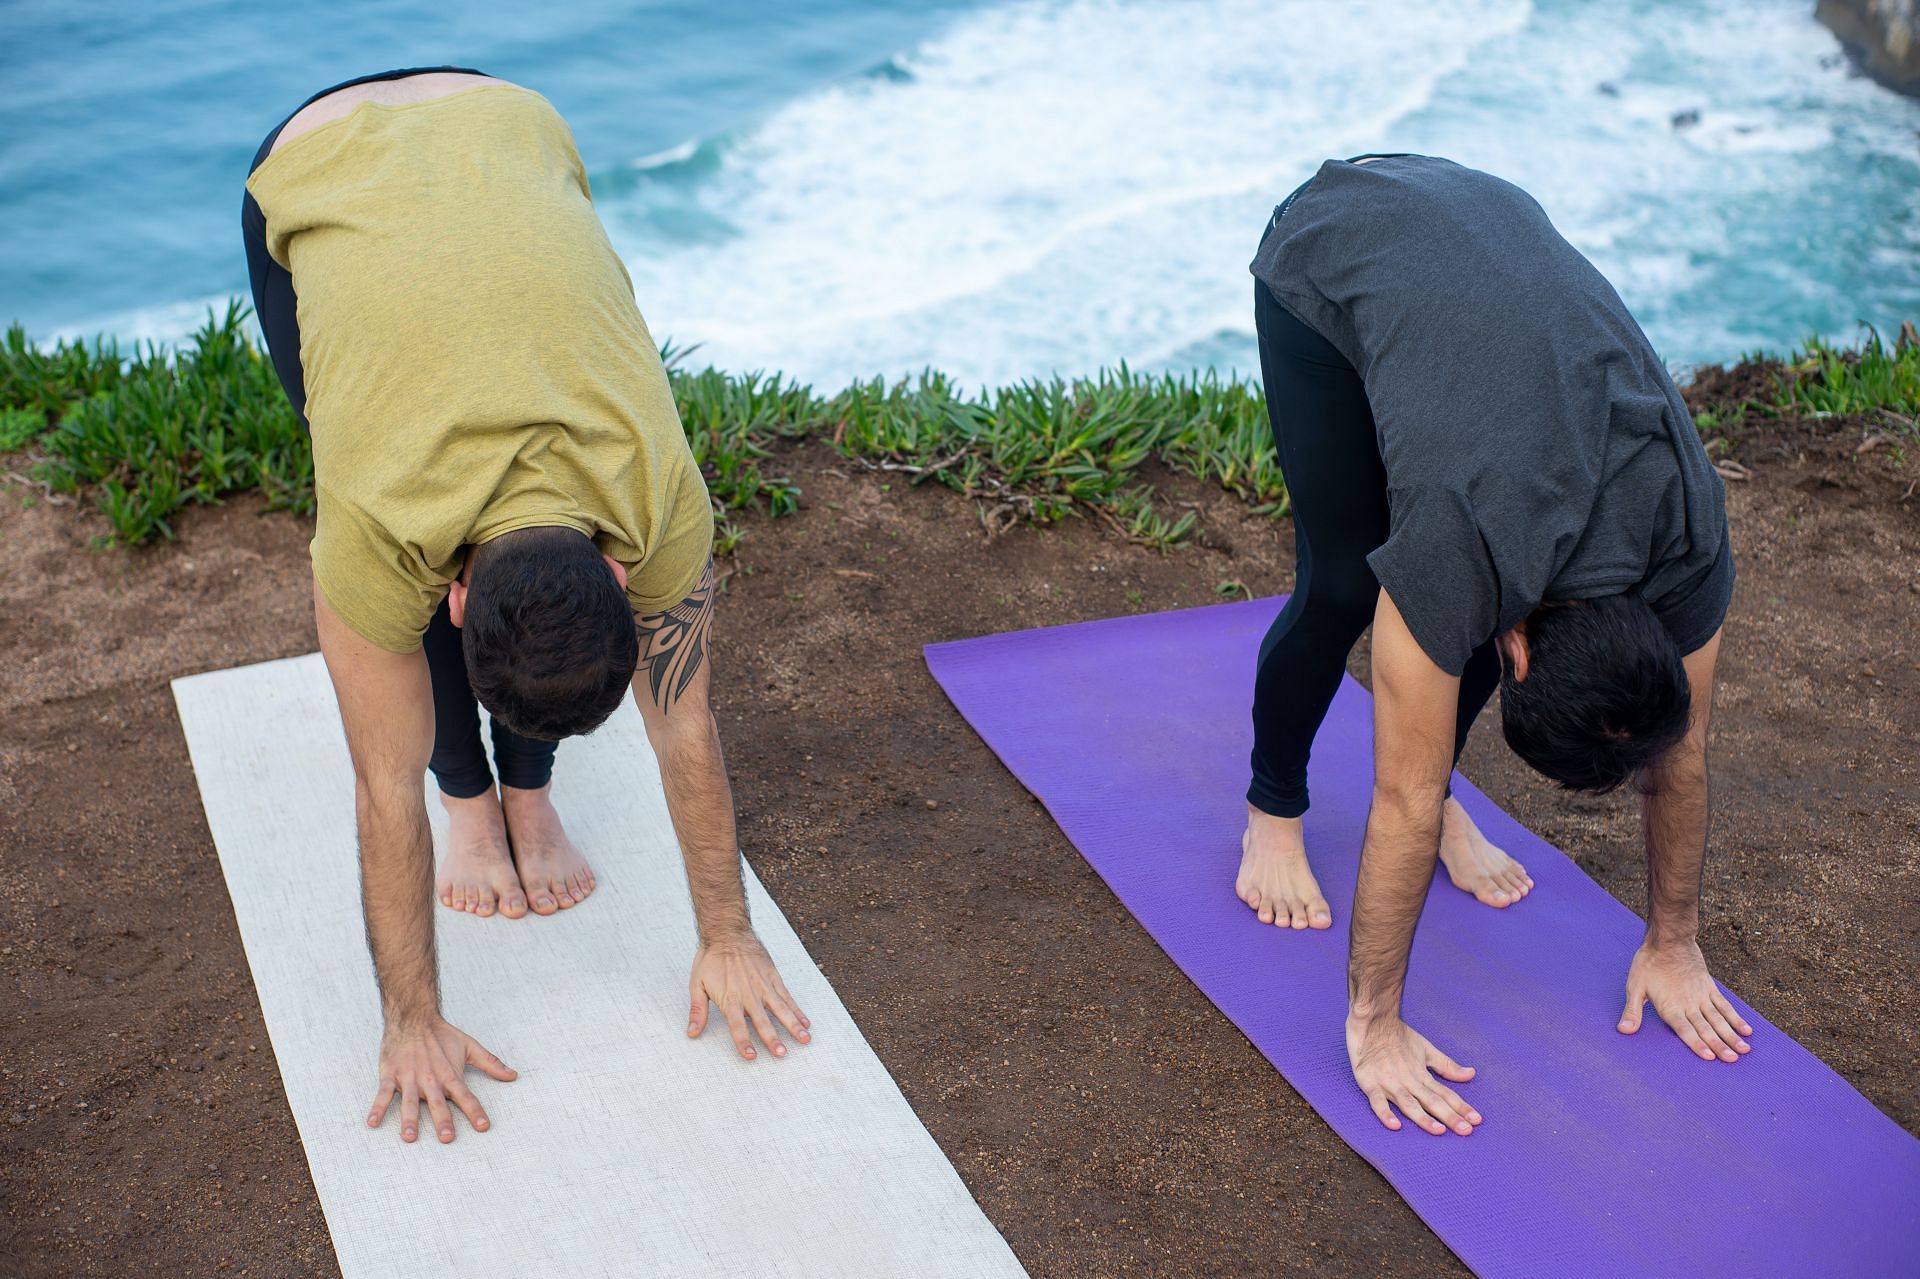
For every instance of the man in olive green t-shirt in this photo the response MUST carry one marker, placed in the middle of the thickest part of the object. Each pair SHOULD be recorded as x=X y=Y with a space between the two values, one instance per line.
x=507 y=512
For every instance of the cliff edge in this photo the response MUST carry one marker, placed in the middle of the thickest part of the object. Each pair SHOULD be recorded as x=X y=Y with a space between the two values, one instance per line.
x=1883 y=36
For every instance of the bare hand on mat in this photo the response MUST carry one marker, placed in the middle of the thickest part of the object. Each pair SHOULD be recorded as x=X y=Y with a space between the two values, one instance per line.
x=1675 y=978
x=1394 y=1064
x=739 y=976
x=428 y=1062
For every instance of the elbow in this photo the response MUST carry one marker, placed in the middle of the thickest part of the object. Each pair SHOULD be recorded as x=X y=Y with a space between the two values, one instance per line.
x=1682 y=769
x=388 y=792
x=1666 y=778
x=1415 y=799
x=687 y=725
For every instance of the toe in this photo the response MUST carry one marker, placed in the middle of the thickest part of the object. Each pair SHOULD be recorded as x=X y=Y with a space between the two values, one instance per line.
x=1319 y=915
x=483 y=907
x=1494 y=895
x=542 y=900
x=513 y=902
x=1296 y=913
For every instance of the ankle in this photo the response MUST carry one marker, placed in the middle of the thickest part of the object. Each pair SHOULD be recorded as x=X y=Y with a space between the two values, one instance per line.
x=1268 y=830
x=513 y=799
x=486 y=800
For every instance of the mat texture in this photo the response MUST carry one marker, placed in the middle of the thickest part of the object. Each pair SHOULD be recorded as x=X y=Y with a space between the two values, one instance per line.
x=1601 y=1154
x=623 y=1149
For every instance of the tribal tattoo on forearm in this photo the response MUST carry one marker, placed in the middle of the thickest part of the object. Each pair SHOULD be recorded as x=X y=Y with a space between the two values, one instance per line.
x=673 y=644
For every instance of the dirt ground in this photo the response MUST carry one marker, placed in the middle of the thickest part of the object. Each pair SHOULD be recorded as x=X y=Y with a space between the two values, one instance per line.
x=1109 y=1121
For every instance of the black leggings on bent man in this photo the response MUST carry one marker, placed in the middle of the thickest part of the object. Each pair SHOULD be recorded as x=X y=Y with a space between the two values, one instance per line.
x=459 y=760
x=1323 y=429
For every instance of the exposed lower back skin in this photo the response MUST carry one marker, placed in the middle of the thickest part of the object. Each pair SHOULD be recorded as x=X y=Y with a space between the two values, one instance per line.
x=419 y=88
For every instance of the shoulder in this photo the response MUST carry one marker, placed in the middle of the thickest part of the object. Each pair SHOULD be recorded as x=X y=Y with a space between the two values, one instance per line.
x=368 y=579
x=682 y=549
x=341 y=103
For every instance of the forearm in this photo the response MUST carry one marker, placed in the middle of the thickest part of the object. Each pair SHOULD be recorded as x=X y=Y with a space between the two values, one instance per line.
x=396 y=894
x=693 y=772
x=1396 y=866
x=1674 y=819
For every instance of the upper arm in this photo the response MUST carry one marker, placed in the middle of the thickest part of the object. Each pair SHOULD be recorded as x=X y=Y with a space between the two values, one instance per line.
x=671 y=681
x=386 y=703
x=1699 y=666
x=1415 y=703
x=1692 y=749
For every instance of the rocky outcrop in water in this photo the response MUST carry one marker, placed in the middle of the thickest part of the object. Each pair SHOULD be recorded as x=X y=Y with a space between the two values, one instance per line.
x=1883 y=36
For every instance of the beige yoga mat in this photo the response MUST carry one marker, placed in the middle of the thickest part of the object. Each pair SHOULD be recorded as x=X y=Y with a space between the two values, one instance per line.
x=623 y=1149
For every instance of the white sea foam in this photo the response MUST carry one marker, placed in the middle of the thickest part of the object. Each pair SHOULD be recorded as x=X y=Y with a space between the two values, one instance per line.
x=672 y=155
x=1063 y=184
x=1712 y=184
x=167 y=324
x=1050 y=185
x=1060 y=185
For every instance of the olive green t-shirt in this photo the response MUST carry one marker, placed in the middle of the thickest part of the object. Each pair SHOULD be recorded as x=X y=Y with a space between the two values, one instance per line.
x=474 y=359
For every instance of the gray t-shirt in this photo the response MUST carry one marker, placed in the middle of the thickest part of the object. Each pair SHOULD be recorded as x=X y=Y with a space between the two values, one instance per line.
x=1534 y=445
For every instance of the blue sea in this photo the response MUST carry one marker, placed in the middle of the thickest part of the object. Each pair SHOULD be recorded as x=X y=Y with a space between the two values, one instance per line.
x=1000 y=189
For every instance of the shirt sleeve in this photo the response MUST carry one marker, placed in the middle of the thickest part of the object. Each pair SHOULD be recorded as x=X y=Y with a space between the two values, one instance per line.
x=369 y=581
x=1692 y=616
x=1436 y=569
x=674 y=563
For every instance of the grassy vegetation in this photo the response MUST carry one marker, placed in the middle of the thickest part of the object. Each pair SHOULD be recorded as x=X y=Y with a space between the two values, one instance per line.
x=1871 y=389
x=152 y=433
x=1871 y=378
x=147 y=434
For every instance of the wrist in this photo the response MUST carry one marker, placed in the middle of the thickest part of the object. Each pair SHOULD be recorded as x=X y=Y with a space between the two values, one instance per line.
x=1673 y=933
x=1365 y=1015
x=409 y=1019
x=727 y=932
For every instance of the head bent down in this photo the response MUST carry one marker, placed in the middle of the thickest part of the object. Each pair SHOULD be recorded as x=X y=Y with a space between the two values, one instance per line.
x=547 y=632
x=1592 y=692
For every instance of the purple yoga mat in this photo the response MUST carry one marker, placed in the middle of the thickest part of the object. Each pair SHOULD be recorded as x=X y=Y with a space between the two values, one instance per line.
x=1601 y=1154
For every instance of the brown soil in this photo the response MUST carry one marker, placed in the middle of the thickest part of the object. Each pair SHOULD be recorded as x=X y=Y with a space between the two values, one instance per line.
x=1106 y=1117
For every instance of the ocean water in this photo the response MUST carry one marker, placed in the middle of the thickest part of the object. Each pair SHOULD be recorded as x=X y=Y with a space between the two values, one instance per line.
x=1002 y=190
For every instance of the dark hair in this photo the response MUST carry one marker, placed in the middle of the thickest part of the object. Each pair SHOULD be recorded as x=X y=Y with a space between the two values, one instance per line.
x=548 y=633
x=1605 y=693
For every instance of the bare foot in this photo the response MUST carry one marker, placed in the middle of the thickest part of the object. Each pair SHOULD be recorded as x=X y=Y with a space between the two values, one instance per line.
x=1475 y=865
x=552 y=870
x=1274 y=877
x=476 y=875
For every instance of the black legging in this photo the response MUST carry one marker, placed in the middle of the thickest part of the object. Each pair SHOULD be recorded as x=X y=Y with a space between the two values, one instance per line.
x=1323 y=429
x=459 y=760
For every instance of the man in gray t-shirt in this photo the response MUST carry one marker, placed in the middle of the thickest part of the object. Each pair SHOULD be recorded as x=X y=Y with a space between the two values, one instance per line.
x=1490 y=465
